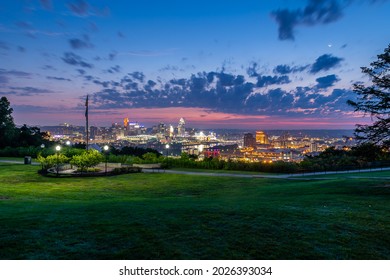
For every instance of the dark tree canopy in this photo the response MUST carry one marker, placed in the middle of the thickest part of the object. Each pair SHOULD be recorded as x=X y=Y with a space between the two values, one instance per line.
x=12 y=136
x=375 y=101
x=7 y=126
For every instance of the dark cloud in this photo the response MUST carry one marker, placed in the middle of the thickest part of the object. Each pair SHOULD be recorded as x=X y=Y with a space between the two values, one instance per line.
x=83 y=43
x=73 y=59
x=253 y=70
x=114 y=69
x=34 y=109
x=81 y=71
x=327 y=81
x=104 y=84
x=325 y=62
x=284 y=69
x=26 y=91
x=287 y=20
x=263 y=81
x=223 y=92
x=15 y=73
x=138 y=76
x=46 y=4
x=120 y=34
x=58 y=78
x=21 y=49
x=315 y=12
x=112 y=55
x=49 y=67
x=79 y=7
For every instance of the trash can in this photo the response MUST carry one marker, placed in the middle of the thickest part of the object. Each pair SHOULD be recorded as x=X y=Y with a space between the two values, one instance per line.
x=27 y=160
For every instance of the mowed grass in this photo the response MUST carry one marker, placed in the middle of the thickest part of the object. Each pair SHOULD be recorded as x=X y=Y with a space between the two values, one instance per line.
x=167 y=216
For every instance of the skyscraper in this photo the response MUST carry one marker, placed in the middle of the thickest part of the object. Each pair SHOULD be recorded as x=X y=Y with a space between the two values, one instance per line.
x=261 y=138
x=249 y=140
x=181 y=130
x=126 y=122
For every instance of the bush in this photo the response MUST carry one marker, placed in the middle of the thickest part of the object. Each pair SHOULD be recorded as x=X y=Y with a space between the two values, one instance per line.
x=125 y=169
x=87 y=159
x=52 y=160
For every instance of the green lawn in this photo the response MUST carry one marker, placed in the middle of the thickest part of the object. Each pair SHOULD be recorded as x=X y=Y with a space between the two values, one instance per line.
x=167 y=216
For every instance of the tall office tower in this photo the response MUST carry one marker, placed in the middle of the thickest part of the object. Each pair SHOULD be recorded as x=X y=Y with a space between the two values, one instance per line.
x=249 y=140
x=125 y=123
x=181 y=129
x=162 y=128
x=313 y=147
x=261 y=138
x=93 y=131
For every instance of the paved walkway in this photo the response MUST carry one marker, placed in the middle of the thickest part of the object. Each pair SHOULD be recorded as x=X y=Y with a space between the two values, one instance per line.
x=238 y=175
x=276 y=176
x=18 y=162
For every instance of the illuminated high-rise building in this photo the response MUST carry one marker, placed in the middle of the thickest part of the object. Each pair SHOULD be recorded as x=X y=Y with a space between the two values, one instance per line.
x=313 y=147
x=126 y=122
x=261 y=138
x=181 y=130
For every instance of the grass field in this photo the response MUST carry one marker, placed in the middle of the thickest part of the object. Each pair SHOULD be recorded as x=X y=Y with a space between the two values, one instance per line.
x=168 y=216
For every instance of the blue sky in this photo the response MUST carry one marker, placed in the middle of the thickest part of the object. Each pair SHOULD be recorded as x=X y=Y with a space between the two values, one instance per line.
x=239 y=64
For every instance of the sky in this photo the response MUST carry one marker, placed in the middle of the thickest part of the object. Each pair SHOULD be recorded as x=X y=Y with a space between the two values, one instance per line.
x=249 y=64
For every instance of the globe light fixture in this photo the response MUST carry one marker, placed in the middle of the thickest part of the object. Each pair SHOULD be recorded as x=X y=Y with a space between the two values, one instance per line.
x=167 y=148
x=105 y=148
x=58 y=149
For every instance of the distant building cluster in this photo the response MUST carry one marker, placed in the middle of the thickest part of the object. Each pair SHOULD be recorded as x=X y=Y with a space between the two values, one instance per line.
x=173 y=140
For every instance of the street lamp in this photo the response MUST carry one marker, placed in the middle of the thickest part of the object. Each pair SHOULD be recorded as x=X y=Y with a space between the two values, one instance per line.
x=167 y=147
x=106 y=152
x=68 y=143
x=42 y=147
x=58 y=149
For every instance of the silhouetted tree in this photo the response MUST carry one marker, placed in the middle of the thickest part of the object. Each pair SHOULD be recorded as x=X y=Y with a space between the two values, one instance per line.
x=7 y=126
x=375 y=100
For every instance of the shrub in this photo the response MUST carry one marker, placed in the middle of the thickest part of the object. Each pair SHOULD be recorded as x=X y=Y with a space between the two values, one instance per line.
x=87 y=159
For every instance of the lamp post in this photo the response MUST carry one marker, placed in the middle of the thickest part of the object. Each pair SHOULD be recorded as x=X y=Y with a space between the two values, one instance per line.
x=167 y=147
x=42 y=147
x=106 y=153
x=58 y=149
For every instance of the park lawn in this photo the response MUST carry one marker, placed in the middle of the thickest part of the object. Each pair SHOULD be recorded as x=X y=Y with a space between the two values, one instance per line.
x=168 y=216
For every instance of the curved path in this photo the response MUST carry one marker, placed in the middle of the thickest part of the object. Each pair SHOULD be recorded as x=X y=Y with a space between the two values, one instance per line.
x=280 y=176
x=238 y=175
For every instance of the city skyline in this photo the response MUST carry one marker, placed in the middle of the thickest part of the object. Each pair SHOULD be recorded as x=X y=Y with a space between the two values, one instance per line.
x=218 y=64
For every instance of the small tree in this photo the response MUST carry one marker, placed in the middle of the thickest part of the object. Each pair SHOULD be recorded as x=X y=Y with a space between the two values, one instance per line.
x=51 y=160
x=375 y=100
x=87 y=159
